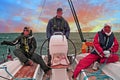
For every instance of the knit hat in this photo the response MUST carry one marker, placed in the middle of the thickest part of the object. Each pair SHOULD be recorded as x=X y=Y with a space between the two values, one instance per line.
x=107 y=25
x=107 y=30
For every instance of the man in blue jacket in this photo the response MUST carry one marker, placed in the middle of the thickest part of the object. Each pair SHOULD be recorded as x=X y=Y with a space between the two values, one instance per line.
x=58 y=24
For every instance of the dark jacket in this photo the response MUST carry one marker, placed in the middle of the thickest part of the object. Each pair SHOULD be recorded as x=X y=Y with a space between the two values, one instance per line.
x=57 y=25
x=30 y=40
x=103 y=42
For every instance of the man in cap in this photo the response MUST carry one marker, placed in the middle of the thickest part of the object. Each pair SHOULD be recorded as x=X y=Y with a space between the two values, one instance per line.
x=105 y=47
x=26 y=50
x=58 y=24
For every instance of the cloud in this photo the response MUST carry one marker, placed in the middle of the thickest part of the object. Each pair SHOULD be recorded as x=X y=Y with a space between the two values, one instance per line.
x=16 y=14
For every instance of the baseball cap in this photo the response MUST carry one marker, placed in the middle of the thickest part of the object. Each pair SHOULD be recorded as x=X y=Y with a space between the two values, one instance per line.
x=59 y=9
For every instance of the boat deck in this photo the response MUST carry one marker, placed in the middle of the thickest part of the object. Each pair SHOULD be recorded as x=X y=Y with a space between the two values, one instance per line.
x=26 y=71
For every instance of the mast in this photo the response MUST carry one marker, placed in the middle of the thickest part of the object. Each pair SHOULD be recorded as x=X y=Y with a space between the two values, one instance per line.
x=76 y=20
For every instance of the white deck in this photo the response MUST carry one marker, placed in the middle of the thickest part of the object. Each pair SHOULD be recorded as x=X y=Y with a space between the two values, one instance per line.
x=113 y=70
x=12 y=67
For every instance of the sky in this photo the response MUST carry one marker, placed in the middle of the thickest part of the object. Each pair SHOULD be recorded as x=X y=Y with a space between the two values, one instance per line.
x=92 y=14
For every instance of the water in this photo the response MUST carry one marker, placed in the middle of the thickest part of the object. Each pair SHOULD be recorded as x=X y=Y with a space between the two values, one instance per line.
x=40 y=37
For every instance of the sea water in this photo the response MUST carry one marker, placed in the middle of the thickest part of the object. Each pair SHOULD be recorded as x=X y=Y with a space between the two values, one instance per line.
x=40 y=38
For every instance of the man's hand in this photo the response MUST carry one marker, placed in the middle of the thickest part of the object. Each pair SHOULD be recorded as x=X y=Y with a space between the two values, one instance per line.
x=107 y=53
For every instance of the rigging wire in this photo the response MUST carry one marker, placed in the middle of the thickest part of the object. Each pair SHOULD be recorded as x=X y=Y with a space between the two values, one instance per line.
x=43 y=5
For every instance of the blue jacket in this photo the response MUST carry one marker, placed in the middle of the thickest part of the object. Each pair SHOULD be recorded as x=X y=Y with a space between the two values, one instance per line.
x=105 y=42
x=57 y=25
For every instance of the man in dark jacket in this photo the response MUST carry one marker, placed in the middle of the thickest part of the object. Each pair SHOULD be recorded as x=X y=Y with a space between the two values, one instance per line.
x=58 y=24
x=25 y=52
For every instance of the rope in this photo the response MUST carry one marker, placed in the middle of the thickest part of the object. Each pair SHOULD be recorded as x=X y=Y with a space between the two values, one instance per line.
x=4 y=78
x=8 y=72
x=24 y=79
x=5 y=68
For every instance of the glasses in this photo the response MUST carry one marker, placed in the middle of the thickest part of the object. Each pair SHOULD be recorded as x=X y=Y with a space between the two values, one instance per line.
x=26 y=30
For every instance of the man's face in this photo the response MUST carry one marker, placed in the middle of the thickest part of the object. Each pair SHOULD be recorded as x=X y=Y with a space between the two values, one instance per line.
x=59 y=13
x=26 y=32
x=107 y=29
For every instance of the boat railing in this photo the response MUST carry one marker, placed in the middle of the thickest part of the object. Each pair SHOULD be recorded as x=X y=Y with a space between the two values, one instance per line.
x=6 y=56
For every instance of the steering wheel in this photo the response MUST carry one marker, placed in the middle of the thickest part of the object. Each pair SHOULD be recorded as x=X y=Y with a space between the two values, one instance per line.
x=72 y=52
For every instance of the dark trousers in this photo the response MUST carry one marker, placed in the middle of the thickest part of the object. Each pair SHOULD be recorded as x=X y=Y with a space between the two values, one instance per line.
x=23 y=57
x=49 y=56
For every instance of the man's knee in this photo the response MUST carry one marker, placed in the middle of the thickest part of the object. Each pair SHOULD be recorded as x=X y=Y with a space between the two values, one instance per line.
x=17 y=52
x=115 y=57
x=35 y=56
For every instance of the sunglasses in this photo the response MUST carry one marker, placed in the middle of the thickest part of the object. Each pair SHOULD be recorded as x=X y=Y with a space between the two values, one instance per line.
x=26 y=30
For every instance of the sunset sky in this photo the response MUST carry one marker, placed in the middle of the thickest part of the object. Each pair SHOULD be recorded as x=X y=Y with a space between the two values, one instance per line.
x=92 y=14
